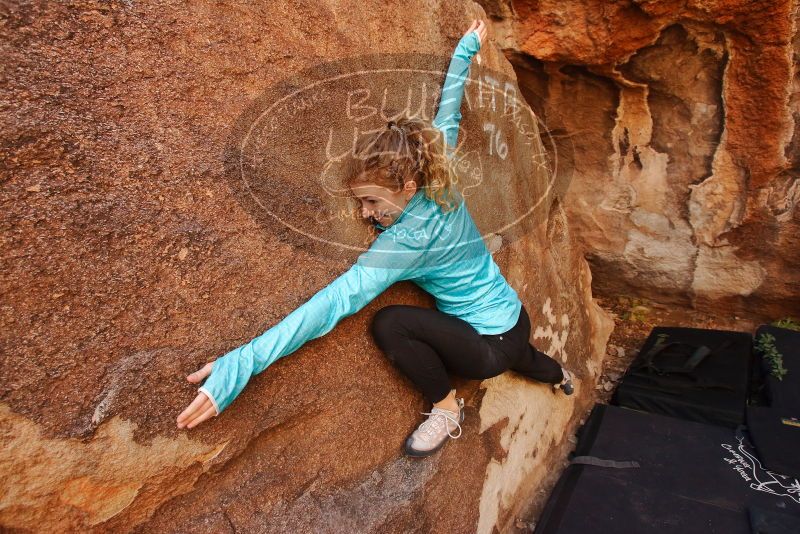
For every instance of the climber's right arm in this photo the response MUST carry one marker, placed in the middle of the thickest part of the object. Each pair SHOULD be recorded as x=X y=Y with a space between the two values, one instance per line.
x=448 y=116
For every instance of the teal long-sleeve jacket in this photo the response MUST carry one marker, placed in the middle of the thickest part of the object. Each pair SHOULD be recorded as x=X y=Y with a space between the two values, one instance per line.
x=443 y=253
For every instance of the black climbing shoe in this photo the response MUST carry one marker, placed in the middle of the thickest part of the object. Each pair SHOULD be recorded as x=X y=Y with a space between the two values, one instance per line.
x=565 y=385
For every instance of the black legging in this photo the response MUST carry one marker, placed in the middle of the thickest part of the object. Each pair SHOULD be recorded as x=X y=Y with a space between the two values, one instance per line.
x=426 y=343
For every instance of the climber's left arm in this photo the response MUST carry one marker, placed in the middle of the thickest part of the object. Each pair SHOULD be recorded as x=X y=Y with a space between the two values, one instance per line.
x=390 y=258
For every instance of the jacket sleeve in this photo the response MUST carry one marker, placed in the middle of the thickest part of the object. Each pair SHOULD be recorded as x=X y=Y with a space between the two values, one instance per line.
x=374 y=271
x=448 y=116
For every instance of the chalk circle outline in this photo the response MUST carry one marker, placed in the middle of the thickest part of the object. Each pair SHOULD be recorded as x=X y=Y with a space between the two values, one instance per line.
x=553 y=173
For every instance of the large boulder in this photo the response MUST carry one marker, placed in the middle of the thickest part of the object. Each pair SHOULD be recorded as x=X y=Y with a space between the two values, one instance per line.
x=682 y=117
x=147 y=231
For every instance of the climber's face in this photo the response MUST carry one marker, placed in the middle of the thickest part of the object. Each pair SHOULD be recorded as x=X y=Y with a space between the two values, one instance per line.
x=380 y=204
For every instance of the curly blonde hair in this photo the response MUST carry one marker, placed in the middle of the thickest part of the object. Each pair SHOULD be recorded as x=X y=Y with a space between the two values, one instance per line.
x=409 y=148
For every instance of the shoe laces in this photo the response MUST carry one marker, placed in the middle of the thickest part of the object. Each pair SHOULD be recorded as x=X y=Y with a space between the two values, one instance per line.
x=432 y=424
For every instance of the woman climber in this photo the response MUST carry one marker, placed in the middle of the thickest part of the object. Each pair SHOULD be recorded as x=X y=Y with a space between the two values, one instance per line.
x=404 y=182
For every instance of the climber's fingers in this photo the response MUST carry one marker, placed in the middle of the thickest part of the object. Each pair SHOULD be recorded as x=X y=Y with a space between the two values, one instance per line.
x=197 y=376
x=208 y=413
x=472 y=27
x=198 y=407
x=481 y=29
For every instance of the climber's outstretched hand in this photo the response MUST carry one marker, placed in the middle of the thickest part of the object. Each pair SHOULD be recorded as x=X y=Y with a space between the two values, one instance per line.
x=479 y=26
x=201 y=407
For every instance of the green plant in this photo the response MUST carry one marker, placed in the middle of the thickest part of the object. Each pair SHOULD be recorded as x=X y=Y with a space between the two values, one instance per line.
x=765 y=344
x=787 y=322
x=638 y=309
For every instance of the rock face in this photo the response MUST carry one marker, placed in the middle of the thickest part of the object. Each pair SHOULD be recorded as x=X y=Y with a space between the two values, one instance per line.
x=134 y=253
x=682 y=119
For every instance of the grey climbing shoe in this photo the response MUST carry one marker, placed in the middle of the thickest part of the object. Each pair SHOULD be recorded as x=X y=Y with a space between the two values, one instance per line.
x=565 y=385
x=434 y=432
